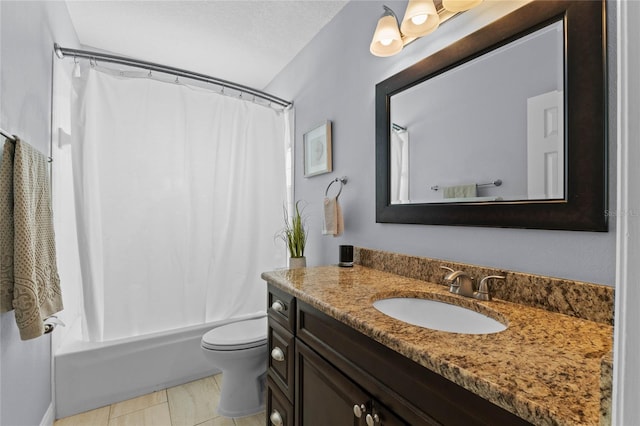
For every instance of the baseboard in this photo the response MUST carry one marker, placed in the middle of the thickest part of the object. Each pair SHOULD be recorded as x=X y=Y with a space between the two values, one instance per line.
x=49 y=416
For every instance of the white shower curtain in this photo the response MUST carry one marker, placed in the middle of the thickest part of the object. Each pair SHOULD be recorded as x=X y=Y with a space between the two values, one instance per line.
x=179 y=192
x=399 y=166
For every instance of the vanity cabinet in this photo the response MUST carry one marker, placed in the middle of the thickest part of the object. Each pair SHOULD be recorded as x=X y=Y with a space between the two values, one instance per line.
x=327 y=397
x=331 y=374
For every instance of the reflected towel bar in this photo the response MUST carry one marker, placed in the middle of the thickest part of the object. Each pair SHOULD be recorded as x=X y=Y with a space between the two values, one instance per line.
x=496 y=182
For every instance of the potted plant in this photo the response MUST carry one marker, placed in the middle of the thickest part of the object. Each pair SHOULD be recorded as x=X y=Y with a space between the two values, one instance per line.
x=294 y=234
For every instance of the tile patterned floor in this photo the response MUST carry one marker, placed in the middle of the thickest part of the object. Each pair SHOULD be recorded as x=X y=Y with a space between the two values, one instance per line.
x=191 y=404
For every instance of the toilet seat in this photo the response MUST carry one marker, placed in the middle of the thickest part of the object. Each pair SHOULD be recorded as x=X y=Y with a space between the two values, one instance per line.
x=238 y=335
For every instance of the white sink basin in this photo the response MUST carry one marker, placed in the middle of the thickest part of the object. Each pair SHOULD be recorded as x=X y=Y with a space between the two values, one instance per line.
x=438 y=315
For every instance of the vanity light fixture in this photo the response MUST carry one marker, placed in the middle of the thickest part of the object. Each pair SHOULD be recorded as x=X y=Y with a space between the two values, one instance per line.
x=387 y=40
x=420 y=18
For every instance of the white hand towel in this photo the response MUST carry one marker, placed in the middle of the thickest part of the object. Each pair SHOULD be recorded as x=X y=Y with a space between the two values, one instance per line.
x=333 y=221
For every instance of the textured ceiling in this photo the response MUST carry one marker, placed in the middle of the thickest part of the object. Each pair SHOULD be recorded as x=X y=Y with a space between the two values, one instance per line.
x=244 y=41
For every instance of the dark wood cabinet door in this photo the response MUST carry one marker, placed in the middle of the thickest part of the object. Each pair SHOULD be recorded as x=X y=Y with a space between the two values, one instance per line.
x=323 y=395
x=383 y=417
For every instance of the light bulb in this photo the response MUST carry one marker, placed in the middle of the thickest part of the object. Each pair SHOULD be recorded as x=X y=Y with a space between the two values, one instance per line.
x=419 y=19
x=387 y=39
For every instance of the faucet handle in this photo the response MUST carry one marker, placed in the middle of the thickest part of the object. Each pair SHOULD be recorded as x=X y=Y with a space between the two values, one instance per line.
x=451 y=278
x=483 y=289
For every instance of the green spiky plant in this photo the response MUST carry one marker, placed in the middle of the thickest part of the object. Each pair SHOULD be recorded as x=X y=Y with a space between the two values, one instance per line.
x=294 y=233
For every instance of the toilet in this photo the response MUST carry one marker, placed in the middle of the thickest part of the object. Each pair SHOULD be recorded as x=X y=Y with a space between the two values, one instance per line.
x=239 y=349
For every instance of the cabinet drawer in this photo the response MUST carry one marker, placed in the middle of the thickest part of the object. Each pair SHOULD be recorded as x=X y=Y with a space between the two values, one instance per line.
x=279 y=409
x=282 y=308
x=281 y=357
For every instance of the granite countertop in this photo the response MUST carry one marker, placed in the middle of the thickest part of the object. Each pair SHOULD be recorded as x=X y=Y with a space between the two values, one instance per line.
x=545 y=367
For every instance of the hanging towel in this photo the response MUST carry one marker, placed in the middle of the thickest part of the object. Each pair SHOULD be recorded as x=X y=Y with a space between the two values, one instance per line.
x=333 y=221
x=29 y=281
x=460 y=191
x=6 y=228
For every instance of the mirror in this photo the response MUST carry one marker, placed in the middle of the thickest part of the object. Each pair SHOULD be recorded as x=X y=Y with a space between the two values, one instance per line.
x=496 y=132
x=504 y=128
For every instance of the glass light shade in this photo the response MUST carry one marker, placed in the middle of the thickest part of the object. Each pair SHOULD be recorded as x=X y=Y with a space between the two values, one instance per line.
x=386 y=40
x=460 y=5
x=417 y=11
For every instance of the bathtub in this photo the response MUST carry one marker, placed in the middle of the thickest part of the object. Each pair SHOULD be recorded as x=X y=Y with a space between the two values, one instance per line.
x=89 y=375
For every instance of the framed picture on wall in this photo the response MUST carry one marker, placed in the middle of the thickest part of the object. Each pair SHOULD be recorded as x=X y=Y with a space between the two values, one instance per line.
x=317 y=150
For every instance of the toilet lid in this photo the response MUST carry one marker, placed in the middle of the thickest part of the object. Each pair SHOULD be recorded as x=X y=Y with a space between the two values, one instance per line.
x=237 y=335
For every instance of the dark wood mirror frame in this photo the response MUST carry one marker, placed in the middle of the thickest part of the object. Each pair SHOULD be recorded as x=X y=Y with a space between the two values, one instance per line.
x=585 y=203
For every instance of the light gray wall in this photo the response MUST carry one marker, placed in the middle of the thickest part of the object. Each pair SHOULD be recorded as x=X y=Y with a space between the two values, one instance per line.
x=27 y=33
x=334 y=78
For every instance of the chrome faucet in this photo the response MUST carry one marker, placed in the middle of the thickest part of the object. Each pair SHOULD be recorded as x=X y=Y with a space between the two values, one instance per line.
x=453 y=284
x=461 y=283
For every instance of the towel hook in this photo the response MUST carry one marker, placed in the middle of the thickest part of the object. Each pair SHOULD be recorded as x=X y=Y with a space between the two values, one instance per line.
x=342 y=180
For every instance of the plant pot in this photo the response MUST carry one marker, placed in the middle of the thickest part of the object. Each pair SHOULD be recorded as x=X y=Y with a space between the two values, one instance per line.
x=297 y=262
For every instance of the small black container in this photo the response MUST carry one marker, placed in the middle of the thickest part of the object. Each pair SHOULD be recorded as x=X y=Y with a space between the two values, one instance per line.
x=346 y=256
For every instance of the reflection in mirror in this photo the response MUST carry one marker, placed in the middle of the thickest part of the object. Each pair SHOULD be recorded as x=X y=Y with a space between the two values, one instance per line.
x=571 y=192
x=496 y=132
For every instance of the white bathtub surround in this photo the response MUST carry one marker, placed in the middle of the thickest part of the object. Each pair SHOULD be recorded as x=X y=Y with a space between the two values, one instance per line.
x=178 y=192
x=90 y=374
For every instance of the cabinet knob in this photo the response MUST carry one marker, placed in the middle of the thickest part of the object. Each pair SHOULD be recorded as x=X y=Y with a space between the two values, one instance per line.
x=276 y=418
x=277 y=306
x=277 y=354
x=358 y=410
x=372 y=420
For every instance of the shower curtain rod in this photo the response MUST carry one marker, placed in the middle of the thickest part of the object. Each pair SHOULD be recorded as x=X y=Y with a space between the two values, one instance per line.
x=61 y=52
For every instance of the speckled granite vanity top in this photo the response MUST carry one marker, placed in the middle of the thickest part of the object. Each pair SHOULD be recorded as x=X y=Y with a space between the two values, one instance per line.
x=545 y=367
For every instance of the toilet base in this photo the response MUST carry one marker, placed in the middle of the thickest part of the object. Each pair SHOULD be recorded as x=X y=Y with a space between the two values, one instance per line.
x=240 y=397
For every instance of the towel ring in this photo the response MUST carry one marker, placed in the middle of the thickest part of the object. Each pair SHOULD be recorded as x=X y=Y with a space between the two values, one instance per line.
x=342 y=180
